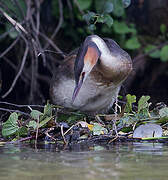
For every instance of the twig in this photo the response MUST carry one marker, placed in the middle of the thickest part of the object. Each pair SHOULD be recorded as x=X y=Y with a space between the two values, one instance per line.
x=20 y=8
x=18 y=74
x=10 y=47
x=70 y=9
x=77 y=4
x=37 y=130
x=115 y=118
x=23 y=105
x=47 y=134
x=59 y=23
x=52 y=44
x=17 y=25
x=62 y=133
x=69 y=129
x=11 y=110
x=37 y=3
x=10 y=63
x=7 y=9
x=21 y=140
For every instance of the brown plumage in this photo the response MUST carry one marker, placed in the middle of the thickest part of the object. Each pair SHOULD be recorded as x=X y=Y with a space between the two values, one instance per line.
x=91 y=78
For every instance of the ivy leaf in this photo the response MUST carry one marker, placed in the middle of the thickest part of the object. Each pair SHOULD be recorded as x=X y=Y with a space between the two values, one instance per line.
x=108 y=7
x=163 y=112
x=35 y=114
x=143 y=103
x=108 y=20
x=92 y=27
x=164 y=53
x=126 y=3
x=98 y=129
x=132 y=43
x=45 y=121
x=48 y=110
x=122 y=28
x=84 y=4
x=99 y=6
x=118 y=8
x=155 y=54
x=130 y=100
x=101 y=19
x=90 y=15
x=32 y=124
x=22 y=131
x=10 y=127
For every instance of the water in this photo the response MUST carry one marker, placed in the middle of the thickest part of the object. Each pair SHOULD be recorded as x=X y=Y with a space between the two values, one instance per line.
x=132 y=161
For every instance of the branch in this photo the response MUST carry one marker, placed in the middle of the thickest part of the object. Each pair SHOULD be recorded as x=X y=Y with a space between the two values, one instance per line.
x=80 y=10
x=21 y=105
x=52 y=44
x=11 y=110
x=59 y=23
x=17 y=25
x=10 y=47
x=19 y=73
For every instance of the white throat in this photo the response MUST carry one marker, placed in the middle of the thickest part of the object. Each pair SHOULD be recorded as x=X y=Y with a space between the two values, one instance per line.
x=107 y=59
x=102 y=46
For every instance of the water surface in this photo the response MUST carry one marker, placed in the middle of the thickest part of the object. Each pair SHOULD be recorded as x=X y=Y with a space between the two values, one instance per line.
x=129 y=161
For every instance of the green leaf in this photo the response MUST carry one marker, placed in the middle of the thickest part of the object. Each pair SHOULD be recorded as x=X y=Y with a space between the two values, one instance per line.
x=126 y=3
x=45 y=121
x=100 y=19
x=48 y=110
x=143 y=103
x=122 y=28
x=72 y=119
x=103 y=7
x=108 y=20
x=164 y=53
x=132 y=43
x=89 y=16
x=155 y=54
x=92 y=27
x=163 y=112
x=108 y=7
x=118 y=8
x=98 y=129
x=163 y=28
x=10 y=127
x=99 y=6
x=130 y=100
x=127 y=120
x=22 y=131
x=35 y=114
x=32 y=124
x=84 y=4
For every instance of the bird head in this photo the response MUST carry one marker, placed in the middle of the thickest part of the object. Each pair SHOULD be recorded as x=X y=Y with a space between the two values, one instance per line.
x=87 y=57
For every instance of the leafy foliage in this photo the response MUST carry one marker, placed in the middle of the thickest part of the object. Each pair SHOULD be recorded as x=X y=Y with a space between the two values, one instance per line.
x=11 y=126
x=135 y=112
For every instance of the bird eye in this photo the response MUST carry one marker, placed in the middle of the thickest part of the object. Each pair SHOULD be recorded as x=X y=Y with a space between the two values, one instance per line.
x=83 y=74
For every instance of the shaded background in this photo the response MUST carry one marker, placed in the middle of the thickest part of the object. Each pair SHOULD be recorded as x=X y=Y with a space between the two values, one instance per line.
x=55 y=27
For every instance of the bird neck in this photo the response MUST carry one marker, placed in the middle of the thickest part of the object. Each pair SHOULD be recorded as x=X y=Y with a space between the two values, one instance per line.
x=108 y=64
x=111 y=66
x=105 y=52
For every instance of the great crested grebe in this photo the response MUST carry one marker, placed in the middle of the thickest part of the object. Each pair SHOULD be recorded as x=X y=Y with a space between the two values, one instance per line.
x=91 y=78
